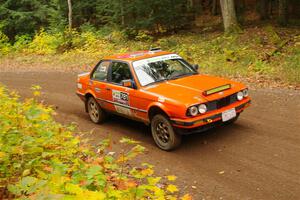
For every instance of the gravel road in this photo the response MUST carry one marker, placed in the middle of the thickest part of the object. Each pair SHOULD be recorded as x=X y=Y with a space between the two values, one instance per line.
x=256 y=158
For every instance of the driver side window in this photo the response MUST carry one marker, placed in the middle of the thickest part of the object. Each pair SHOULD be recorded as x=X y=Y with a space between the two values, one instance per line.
x=119 y=72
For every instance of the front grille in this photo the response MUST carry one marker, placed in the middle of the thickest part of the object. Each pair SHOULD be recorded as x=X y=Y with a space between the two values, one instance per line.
x=220 y=103
x=223 y=102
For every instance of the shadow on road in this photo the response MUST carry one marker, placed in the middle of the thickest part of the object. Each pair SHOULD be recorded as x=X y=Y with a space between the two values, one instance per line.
x=141 y=132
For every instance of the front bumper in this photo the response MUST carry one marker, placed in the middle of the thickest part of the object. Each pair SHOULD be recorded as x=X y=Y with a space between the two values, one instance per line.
x=211 y=117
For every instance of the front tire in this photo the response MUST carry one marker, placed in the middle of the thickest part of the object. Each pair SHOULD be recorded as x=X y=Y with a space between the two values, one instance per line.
x=163 y=133
x=96 y=113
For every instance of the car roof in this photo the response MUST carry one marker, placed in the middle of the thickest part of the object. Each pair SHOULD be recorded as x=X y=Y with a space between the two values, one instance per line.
x=138 y=55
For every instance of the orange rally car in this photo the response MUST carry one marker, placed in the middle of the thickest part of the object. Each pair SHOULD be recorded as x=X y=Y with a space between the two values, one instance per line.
x=162 y=90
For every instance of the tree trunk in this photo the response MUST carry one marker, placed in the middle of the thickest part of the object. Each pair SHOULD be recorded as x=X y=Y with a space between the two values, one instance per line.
x=198 y=5
x=229 y=16
x=283 y=12
x=214 y=9
x=70 y=14
x=271 y=10
x=124 y=14
x=190 y=4
x=263 y=9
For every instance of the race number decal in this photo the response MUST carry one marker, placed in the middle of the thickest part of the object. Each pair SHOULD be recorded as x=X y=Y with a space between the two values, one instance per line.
x=120 y=97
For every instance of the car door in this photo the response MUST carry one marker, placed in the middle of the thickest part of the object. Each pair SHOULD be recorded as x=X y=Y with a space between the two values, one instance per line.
x=122 y=98
x=98 y=82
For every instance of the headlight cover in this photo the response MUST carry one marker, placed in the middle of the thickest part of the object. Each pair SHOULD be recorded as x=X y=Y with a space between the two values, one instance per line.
x=240 y=96
x=193 y=111
x=202 y=108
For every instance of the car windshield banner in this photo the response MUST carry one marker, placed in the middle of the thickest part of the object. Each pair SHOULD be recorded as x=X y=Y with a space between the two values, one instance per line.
x=156 y=59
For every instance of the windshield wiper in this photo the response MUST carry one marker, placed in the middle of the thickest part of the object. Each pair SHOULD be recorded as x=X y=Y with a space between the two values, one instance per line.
x=182 y=75
x=158 y=81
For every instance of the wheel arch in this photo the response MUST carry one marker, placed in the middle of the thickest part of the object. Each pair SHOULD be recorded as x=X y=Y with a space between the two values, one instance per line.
x=157 y=109
x=87 y=96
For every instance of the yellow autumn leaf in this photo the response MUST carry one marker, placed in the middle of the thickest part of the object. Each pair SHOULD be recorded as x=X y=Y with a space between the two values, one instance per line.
x=158 y=193
x=36 y=87
x=186 y=197
x=171 y=178
x=26 y=172
x=147 y=172
x=73 y=189
x=172 y=188
x=2 y=155
x=122 y=158
x=170 y=197
x=153 y=181
x=44 y=116
x=36 y=93
x=91 y=195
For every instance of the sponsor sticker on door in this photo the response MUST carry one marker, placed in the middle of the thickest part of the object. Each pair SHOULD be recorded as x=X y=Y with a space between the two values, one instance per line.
x=120 y=97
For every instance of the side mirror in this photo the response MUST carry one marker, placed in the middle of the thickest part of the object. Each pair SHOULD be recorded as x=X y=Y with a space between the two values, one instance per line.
x=196 y=67
x=127 y=83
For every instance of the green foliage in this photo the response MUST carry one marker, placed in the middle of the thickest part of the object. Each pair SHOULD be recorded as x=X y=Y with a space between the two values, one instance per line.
x=167 y=43
x=144 y=36
x=88 y=27
x=44 y=43
x=269 y=52
x=21 y=43
x=4 y=44
x=29 y=16
x=22 y=17
x=272 y=35
x=42 y=159
x=57 y=15
x=260 y=67
x=157 y=15
x=292 y=72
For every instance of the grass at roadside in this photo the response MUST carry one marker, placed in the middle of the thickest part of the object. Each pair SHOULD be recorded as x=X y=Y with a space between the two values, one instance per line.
x=257 y=54
x=42 y=159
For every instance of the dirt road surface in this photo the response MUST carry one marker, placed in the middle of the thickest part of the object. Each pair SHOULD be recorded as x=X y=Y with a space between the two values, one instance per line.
x=256 y=158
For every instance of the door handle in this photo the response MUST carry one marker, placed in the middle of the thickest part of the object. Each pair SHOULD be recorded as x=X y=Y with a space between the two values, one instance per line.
x=107 y=88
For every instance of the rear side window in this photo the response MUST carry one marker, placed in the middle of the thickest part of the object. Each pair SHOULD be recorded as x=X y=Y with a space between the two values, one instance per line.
x=101 y=70
x=120 y=72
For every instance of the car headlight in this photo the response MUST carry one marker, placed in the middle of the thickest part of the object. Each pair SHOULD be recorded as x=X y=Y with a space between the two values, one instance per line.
x=202 y=108
x=246 y=92
x=193 y=110
x=240 y=96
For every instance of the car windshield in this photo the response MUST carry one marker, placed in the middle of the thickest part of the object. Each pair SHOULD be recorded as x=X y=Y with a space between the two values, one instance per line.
x=161 y=68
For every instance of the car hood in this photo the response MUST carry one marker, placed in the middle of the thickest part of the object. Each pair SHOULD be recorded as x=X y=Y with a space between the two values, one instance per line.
x=189 y=90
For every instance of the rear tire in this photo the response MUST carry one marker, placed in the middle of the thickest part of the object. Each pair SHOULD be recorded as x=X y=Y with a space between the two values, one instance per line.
x=96 y=113
x=163 y=133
